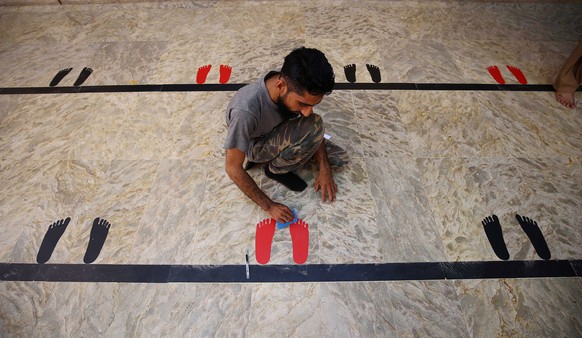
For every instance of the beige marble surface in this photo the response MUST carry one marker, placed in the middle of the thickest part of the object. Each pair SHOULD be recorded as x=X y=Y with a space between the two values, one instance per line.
x=550 y=130
x=426 y=166
x=508 y=307
x=145 y=310
x=379 y=124
x=462 y=192
x=484 y=308
x=348 y=228
x=397 y=188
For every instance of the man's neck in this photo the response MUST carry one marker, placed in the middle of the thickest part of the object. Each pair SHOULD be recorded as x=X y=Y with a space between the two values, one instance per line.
x=271 y=84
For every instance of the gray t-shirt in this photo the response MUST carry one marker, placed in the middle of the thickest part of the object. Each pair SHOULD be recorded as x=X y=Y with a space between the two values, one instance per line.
x=250 y=115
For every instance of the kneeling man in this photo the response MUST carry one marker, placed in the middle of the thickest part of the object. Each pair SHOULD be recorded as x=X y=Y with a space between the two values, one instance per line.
x=271 y=121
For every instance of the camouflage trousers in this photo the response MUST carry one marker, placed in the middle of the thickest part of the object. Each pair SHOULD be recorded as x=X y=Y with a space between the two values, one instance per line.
x=293 y=143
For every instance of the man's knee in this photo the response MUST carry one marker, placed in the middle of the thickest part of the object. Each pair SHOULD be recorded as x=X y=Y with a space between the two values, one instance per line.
x=306 y=135
x=315 y=129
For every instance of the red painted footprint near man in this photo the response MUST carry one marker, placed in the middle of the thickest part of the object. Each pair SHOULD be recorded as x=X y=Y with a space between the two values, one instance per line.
x=496 y=74
x=264 y=239
x=224 y=70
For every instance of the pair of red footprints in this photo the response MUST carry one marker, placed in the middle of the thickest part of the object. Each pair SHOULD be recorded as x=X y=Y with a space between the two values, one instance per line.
x=264 y=238
x=494 y=71
x=203 y=71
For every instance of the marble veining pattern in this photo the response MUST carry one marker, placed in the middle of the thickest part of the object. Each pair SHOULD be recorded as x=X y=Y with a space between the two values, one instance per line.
x=505 y=307
x=425 y=166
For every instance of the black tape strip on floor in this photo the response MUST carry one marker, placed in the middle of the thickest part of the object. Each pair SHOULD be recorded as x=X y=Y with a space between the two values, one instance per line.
x=289 y=273
x=230 y=87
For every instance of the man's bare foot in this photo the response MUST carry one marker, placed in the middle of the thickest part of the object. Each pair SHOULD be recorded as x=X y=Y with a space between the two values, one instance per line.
x=566 y=99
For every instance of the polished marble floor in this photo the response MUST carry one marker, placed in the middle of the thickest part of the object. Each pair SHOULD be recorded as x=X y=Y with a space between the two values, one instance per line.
x=426 y=167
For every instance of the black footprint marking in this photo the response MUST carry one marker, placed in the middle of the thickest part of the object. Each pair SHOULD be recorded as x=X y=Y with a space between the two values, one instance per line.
x=60 y=75
x=83 y=76
x=99 y=233
x=533 y=232
x=51 y=239
x=495 y=235
x=374 y=73
x=350 y=71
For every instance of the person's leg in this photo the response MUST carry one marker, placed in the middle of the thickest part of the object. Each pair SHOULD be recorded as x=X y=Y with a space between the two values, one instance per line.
x=578 y=70
x=569 y=78
x=288 y=147
x=336 y=156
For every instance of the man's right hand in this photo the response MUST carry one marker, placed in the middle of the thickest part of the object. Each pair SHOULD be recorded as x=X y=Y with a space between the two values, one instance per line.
x=281 y=213
x=234 y=161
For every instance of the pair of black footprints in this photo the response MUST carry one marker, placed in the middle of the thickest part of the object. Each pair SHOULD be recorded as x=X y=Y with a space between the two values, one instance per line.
x=99 y=233
x=85 y=73
x=350 y=71
x=530 y=227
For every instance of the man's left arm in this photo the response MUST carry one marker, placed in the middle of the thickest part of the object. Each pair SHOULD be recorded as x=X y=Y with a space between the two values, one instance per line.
x=324 y=180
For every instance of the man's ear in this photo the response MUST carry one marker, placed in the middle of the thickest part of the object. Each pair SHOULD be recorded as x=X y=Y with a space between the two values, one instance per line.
x=281 y=86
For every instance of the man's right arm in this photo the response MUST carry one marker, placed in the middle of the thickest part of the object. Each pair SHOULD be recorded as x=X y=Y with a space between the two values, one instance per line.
x=234 y=169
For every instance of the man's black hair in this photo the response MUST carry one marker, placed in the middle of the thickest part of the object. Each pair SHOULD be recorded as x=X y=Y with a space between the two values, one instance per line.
x=307 y=69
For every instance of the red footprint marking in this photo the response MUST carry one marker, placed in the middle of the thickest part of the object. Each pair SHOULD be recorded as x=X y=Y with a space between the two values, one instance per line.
x=264 y=239
x=518 y=74
x=300 y=241
x=494 y=71
x=202 y=74
x=225 y=72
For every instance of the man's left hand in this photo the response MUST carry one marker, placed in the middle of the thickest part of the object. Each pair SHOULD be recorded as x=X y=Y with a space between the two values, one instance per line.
x=325 y=183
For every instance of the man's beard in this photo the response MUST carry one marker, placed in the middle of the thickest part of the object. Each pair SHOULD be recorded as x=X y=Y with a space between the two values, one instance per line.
x=284 y=110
